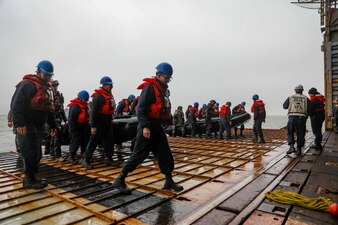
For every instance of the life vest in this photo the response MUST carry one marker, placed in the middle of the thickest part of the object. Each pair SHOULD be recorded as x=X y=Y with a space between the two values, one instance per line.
x=239 y=108
x=108 y=107
x=223 y=111
x=83 y=116
x=195 y=112
x=297 y=105
x=126 y=108
x=43 y=98
x=321 y=99
x=261 y=106
x=202 y=112
x=162 y=106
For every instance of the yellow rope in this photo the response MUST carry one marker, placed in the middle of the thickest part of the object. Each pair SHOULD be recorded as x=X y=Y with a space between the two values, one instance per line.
x=292 y=198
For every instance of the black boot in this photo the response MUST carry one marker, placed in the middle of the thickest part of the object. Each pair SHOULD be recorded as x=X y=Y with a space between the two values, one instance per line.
x=86 y=164
x=255 y=139
x=31 y=182
x=261 y=139
x=120 y=184
x=111 y=162
x=171 y=185
x=298 y=151
x=71 y=159
x=291 y=150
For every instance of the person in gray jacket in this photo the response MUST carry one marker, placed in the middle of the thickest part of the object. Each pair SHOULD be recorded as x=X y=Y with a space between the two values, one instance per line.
x=298 y=109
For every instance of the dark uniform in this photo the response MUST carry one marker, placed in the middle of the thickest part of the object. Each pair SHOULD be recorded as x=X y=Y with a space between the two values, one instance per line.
x=236 y=110
x=60 y=117
x=187 y=112
x=298 y=107
x=224 y=120
x=179 y=121
x=31 y=107
x=209 y=112
x=78 y=126
x=317 y=116
x=153 y=108
x=258 y=109
x=103 y=107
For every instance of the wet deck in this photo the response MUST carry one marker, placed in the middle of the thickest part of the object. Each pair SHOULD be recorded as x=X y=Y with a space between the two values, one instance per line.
x=224 y=182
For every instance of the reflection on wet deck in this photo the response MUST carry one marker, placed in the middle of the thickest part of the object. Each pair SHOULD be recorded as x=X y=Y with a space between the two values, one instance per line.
x=206 y=168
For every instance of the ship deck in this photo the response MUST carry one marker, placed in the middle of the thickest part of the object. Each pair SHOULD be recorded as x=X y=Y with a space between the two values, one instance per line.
x=224 y=183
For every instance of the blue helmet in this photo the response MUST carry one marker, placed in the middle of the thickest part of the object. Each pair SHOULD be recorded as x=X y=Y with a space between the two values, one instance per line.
x=46 y=67
x=84 y=95
x=165 y=68
x=196 y=104
x=106 y=80
x=217 y=104
x=131 y=97
x=255 y=97
x=204 y=105
x=243 y=103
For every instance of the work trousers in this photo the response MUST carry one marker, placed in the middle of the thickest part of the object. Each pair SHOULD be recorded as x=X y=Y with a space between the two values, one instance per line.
x=241 y=129
x=208 y=126
x=157 y=144
x=257 y=127
x=224 y=124
x=316 y=124
x=296 y=124
x=193 y=127
x=104 y=132
x=30 y=146
x=79 y=137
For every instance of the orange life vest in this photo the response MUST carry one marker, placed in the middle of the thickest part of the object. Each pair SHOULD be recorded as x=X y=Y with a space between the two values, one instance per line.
x=126 y=108
x=240 y=108
x=195 y=112
x=223 y=111
x=83 y=116
x=109 y=105
x=261 y=106
x=43 y=99
x=160 y=109
x=321 y=99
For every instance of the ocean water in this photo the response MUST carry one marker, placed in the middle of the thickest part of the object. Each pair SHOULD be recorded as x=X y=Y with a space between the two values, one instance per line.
x=7 y=137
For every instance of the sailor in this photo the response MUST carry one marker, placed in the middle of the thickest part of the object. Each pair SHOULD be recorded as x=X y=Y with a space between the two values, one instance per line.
x=133 y=106
x=103 y=108
x=317 y=116
x=123 y=108
x=209 y=112
x=179 y=121
x=258 y=109
x=187 y=112
x=193 y=114
x=240 y=108
x=31 y=107
x=224 y=120
x=298 y=108
x=60 y=119
x=153 y=108
x=201 y=112
x=10 y=125
x=78 y=124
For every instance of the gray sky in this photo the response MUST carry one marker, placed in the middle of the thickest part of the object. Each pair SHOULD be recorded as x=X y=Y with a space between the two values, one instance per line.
x=219 y=49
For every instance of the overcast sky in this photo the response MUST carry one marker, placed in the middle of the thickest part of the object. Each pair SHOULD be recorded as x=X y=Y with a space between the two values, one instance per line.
x=226 y=50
